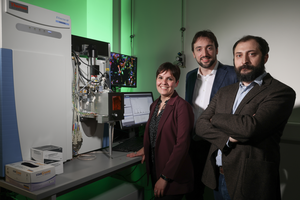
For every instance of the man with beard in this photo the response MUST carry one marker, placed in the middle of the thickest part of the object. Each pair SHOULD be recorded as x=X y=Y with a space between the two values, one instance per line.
x=202 y=84
x=244 y=123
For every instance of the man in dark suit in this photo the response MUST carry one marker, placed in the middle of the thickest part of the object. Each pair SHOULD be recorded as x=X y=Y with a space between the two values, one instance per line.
x=244 y=123
x=201 y=85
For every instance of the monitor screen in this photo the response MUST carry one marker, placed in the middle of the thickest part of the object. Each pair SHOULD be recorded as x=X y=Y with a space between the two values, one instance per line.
x=123 y=70
x=136 y=109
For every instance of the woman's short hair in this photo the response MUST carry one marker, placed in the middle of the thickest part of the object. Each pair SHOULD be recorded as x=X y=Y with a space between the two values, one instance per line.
x=167 y=66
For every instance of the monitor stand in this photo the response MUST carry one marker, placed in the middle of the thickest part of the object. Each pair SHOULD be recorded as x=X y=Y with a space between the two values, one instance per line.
x=111 y=136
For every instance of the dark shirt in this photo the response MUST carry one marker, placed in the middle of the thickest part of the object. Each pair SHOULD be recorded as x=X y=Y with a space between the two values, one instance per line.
x=154 y=122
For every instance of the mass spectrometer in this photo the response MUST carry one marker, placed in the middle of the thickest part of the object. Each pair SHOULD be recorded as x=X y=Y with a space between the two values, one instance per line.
x=35 y=81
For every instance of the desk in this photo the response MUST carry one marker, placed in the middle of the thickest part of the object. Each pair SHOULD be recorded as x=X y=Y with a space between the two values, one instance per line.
x=78 y=173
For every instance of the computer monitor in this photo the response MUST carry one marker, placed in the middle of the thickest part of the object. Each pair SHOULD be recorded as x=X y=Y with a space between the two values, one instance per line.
x=123 y=70
x=100 y=48
x=136 y=109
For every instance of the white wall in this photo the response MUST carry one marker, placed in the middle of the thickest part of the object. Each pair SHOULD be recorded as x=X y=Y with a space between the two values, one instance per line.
x=276 y=21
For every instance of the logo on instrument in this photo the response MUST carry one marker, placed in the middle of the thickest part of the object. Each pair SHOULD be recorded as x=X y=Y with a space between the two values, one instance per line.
x=18 y=7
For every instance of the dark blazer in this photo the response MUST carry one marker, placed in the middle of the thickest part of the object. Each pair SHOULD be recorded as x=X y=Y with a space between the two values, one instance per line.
x=225 y=76
x=251 y=168
x=172 y=145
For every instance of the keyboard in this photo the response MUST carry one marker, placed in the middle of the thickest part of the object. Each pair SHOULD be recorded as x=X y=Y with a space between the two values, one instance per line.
x=129 y=145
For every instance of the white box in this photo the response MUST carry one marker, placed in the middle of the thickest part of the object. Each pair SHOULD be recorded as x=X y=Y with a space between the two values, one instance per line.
x=49 y=154
x=30 y=175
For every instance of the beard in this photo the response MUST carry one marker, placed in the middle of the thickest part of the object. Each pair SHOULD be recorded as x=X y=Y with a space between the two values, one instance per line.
x=255 y=72
x=208 y=65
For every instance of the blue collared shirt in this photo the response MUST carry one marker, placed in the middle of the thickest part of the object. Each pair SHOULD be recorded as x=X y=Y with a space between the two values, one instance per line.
x=242 y=92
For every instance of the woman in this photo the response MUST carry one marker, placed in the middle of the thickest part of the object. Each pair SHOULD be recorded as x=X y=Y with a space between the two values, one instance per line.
x=167 y=138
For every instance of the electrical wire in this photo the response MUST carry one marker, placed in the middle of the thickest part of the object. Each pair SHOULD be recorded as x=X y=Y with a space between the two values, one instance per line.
x=91 y=66
x=86 y=157
x=84 y=77
x=132 y=27
x=81 y=77
x=132 y=170
x=182 y=26
x=79 y=69
x=74 y=89
x=95 y=81
x=130 y=181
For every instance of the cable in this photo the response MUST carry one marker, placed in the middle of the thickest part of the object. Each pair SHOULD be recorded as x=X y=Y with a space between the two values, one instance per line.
x=82 y=76
x=130 y=180
x=88 y=80
x=78 y=63
x=182 y=26
x=132 y=28
x=132 y=170
x=91 y=66
x=86 y=157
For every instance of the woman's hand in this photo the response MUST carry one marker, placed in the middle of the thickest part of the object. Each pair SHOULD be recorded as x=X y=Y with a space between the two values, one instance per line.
x=138 y=153
x=159 y=187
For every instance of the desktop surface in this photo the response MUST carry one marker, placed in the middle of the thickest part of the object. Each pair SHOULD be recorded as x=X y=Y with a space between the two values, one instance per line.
x=78 y=173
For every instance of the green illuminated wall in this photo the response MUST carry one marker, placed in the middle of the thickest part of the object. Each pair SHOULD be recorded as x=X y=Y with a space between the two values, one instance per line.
x=126 y=27
x=89 y=18
x=99 y=20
